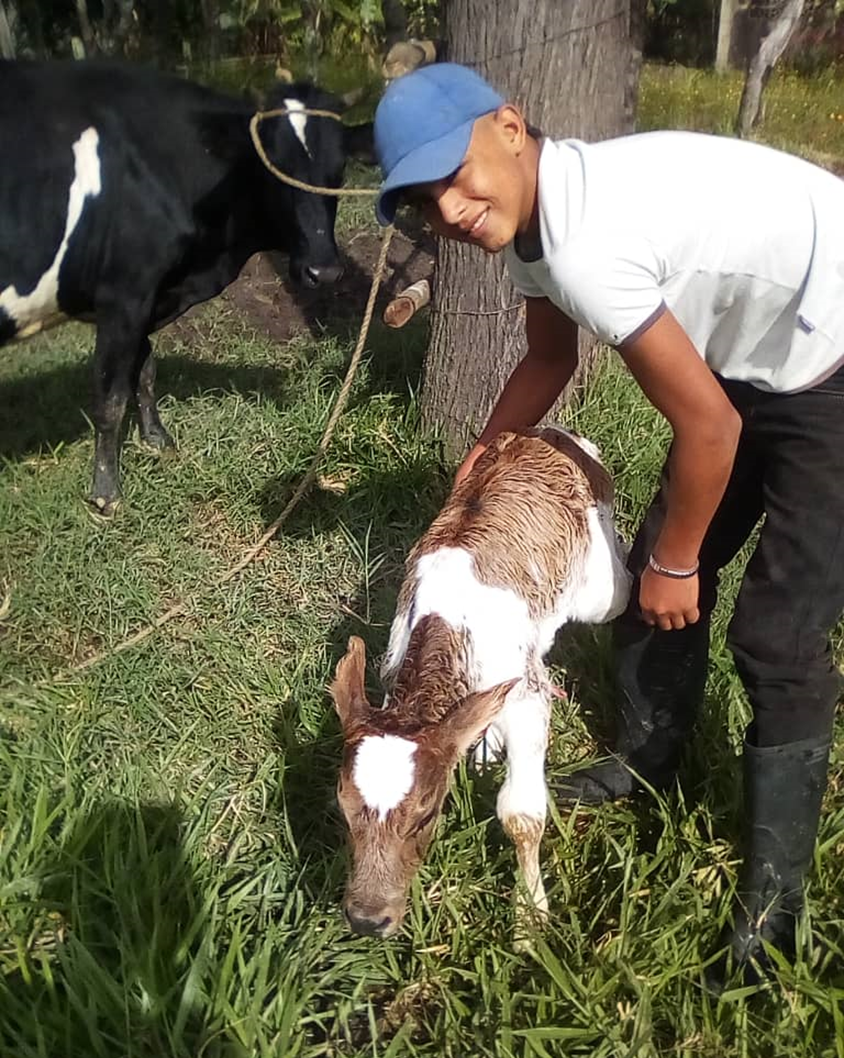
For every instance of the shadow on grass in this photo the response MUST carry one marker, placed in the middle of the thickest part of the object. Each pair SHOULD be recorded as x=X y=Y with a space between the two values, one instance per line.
x=48 y=409
x=131 y=926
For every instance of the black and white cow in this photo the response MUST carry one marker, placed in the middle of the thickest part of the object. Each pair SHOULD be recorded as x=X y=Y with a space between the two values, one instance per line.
x=127 y=196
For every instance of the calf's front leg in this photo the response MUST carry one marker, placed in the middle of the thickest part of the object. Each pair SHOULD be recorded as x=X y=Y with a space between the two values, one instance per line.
x=522 y=800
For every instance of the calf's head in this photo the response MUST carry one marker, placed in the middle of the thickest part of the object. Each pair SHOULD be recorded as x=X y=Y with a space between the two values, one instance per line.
x=393 y=780
x=311 y=148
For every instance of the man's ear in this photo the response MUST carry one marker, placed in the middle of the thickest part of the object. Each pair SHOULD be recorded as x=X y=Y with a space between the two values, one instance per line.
x=511 y=124
x=347 y=690
x=359 y=142
x=466 y=723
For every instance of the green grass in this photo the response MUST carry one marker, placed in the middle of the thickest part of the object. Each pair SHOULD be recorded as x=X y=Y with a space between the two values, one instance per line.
x=171 y=858
x=803 y=115
x=170 y=855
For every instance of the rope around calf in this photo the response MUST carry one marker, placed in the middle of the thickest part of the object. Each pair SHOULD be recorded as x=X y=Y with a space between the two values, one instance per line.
x=307 y=480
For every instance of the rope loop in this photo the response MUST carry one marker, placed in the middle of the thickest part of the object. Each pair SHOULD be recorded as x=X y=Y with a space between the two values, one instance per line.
x=316 y=189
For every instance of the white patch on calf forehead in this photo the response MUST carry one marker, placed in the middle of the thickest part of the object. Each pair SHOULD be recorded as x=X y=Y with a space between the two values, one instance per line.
x=31 y=311
x=383 y=771
x=298 y=120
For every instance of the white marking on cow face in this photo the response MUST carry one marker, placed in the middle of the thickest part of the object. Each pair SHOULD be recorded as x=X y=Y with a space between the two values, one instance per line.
x=30 y=312
x=298 y=120
x=383 y=771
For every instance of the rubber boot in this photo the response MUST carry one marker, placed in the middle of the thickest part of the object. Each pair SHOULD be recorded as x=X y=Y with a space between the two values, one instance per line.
x=783 y=791
x=661 y=680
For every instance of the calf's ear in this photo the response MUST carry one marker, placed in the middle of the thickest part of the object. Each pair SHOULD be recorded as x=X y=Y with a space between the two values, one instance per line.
x=347 y=690
x=466 y=723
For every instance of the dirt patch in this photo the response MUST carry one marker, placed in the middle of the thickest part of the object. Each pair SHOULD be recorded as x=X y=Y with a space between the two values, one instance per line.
x=264 y=296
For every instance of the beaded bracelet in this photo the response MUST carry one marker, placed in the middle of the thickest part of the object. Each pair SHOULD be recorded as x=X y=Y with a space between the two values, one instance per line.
x=675 y=574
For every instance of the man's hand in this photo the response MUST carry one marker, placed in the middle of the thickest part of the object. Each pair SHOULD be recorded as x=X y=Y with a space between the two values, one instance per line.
x=666 y=602
x=465 y=468
x=537 y=380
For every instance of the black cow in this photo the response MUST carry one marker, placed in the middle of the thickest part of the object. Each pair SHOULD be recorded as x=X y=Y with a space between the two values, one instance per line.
x=127 y=196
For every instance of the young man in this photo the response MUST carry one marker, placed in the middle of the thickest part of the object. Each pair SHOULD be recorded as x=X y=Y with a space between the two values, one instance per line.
x=716 y=268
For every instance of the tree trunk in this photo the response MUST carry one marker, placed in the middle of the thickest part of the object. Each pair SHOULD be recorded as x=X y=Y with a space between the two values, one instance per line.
x=770 y=49
x=211 y=23
x=85 y=28
x=573 y=66
x=125 y=18
x=7 y=41
x=33 y=29
x=725 y=35
x=395 y=22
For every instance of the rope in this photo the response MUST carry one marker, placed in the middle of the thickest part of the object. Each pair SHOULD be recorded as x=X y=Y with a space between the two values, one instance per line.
x=548 y=38
x=285 y=178
x=181 y=606
x=480 y=312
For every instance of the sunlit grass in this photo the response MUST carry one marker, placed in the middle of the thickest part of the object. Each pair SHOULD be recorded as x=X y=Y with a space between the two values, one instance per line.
x=171 y=859
x=803 y=114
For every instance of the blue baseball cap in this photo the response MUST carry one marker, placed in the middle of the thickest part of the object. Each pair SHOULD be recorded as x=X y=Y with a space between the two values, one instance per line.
x=423 y=125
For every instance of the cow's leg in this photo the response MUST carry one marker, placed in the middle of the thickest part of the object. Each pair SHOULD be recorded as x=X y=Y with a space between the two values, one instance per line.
x=114 y=360
x=152 y=430
x=522 y=800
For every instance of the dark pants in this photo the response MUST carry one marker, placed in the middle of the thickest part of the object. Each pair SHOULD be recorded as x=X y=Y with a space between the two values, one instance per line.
x=790 y=468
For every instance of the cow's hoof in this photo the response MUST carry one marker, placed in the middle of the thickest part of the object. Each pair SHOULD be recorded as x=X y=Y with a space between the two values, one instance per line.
x=158 y=443
x=165 y=452
x=103 y=508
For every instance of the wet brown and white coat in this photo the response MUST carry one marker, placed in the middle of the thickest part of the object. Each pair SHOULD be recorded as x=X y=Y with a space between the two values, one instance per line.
x=523 y=545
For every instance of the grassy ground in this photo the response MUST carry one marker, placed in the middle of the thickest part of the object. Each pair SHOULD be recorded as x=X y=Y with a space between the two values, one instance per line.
x=804 y=115
x=170 y=852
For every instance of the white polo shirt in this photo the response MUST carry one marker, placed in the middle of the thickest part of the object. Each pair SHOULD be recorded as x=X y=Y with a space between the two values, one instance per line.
x=744 y=244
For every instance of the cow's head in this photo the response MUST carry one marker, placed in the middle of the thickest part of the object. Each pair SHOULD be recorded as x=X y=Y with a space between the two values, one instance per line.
x=312 y=149
x=393 y=781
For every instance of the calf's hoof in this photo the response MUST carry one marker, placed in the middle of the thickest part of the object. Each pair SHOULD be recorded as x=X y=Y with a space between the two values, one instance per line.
x=531 y=920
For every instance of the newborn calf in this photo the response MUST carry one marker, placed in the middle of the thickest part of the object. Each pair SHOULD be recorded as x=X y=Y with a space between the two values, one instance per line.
x=523 y=545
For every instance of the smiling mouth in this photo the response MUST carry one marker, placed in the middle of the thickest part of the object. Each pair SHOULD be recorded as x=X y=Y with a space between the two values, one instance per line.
x=477 y=226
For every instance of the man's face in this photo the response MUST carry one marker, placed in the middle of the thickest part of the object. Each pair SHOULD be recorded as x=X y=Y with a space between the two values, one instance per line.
x=490 y=197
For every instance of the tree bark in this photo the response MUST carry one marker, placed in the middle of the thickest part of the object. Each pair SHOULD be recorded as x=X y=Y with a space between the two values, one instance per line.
x=395 y=22
x=85 y=28
x=726 y=19
x=126 y=15
x=572 y=66
x=7 y=41
x=211 y=22
x=770 y=49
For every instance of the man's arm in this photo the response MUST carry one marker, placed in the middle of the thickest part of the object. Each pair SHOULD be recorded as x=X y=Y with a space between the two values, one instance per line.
x=706 y=427
x=538 y=379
